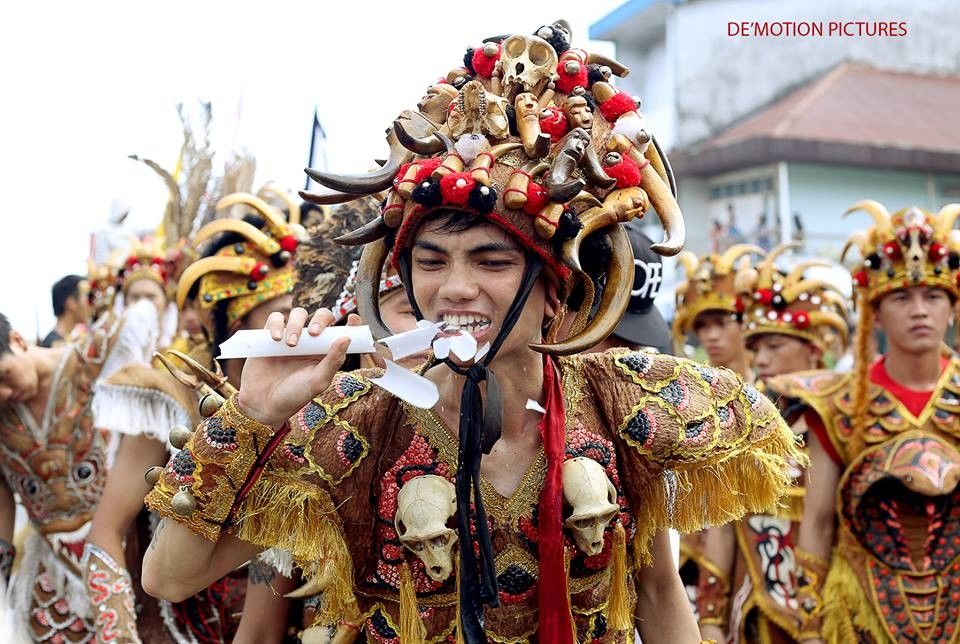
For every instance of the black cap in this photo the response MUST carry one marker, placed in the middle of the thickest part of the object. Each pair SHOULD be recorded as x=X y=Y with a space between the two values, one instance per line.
x=642 y=323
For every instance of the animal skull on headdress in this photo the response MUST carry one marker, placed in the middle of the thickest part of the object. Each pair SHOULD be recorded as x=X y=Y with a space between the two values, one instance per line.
x=593 y=500
x=527 y=63
x=476 y=111
x=424 y=505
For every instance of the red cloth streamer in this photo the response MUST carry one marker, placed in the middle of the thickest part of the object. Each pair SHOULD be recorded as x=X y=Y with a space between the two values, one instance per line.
x=555 y=617
x=616 y=106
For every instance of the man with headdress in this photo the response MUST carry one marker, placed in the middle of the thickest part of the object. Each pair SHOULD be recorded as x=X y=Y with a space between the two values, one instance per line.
x=244 y=272
x=363 y=488
x=877 y=554
x=706 y=305
x=791 y=321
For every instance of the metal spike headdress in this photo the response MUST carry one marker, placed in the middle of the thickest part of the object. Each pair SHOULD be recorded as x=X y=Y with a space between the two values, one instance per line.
x=773 y=301
x=709 y=286
x=909 y=248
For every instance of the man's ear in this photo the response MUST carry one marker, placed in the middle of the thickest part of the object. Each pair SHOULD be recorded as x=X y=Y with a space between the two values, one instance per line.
x=551 y=303
x=17 y=341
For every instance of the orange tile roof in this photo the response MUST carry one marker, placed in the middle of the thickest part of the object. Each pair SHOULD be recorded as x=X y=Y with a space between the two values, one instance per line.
x=864 y=106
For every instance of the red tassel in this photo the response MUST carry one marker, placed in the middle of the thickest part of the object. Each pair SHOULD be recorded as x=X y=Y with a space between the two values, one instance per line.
x=556 y=622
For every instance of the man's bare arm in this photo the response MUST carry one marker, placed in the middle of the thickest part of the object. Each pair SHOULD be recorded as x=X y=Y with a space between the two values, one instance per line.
x=663 y=610
x=719 y=547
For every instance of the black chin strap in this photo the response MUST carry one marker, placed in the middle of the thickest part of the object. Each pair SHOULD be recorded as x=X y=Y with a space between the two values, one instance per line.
x=480 y=427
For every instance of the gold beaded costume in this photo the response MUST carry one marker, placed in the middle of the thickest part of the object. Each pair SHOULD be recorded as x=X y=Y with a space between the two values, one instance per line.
x=360 y=486
x=895 y=568
x=756 y=602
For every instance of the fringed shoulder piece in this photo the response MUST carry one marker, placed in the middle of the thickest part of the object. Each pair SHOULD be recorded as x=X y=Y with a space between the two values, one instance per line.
x=140 y=400
x=698 y=446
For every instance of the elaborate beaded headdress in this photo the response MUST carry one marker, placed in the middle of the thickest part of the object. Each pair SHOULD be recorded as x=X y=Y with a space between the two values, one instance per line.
x=255 y=269
x=909 y=248
x=708 y=287
x=770 y=300
x=531 y=135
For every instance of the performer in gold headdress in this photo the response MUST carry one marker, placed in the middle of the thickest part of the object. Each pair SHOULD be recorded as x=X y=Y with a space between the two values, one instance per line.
x=790 y=322
x=485 y=212
x=706 y=305
x=877 y=553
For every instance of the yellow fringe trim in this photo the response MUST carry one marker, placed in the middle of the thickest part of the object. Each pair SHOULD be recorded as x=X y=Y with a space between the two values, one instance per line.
x=618 y=606
x=412 y=630
x=845 y=605
x=301 y=518
x=456 y=564
x=752 y=480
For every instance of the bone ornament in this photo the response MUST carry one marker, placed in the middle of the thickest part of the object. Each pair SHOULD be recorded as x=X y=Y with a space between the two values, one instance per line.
x=535 y=143
x=593 y=499
x=436 y=102
x=424 y=505
x=527 y=64
x=476 y=110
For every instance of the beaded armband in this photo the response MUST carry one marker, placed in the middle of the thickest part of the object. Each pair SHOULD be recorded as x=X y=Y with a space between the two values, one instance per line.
x=203 y=484
x=111 y=595
x=811 y=574
x=713 y=597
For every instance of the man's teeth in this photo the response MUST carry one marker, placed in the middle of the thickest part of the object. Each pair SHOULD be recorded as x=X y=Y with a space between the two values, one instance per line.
x=468 y=322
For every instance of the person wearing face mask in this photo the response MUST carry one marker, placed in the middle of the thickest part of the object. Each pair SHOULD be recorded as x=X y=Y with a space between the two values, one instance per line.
x=877 y=551
x=705 y=305
x=790 y=322
x=531 y=499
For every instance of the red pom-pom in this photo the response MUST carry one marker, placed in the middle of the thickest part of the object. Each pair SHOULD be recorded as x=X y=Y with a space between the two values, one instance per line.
x=259 y=271
x=456 y=188
x=764 y=296
x=536 y=198
x=739 y=306
x=801 y=320
x=426 y=167
x=132 y=261
x=626 y=172
x=860 y=279
x=483 y=64
x=553 y=122
x=616 y=106
x=288 y=243
x=892 y=250
x=568 y=81
x=937 y=251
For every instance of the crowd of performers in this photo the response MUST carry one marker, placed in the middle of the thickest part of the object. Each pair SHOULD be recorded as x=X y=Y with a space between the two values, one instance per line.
x=174 y=498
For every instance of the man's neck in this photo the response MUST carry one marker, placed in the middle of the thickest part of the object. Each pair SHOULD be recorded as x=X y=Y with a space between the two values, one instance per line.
x=64 y=326
x=918 y=371
x=738 y=364
x=520 y=378
x=46 y=361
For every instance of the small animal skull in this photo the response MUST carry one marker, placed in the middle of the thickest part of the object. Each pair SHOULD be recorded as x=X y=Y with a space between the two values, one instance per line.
x=424 y=505
x=526 y=61
x=477 y=111
x=593 y=499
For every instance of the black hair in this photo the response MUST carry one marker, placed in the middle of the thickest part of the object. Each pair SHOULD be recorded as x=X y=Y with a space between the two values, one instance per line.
x=63 y=290
x=594 y=257
x=4 y=334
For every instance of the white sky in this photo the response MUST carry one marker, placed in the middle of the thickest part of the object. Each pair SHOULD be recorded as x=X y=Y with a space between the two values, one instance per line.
x=86 y=84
